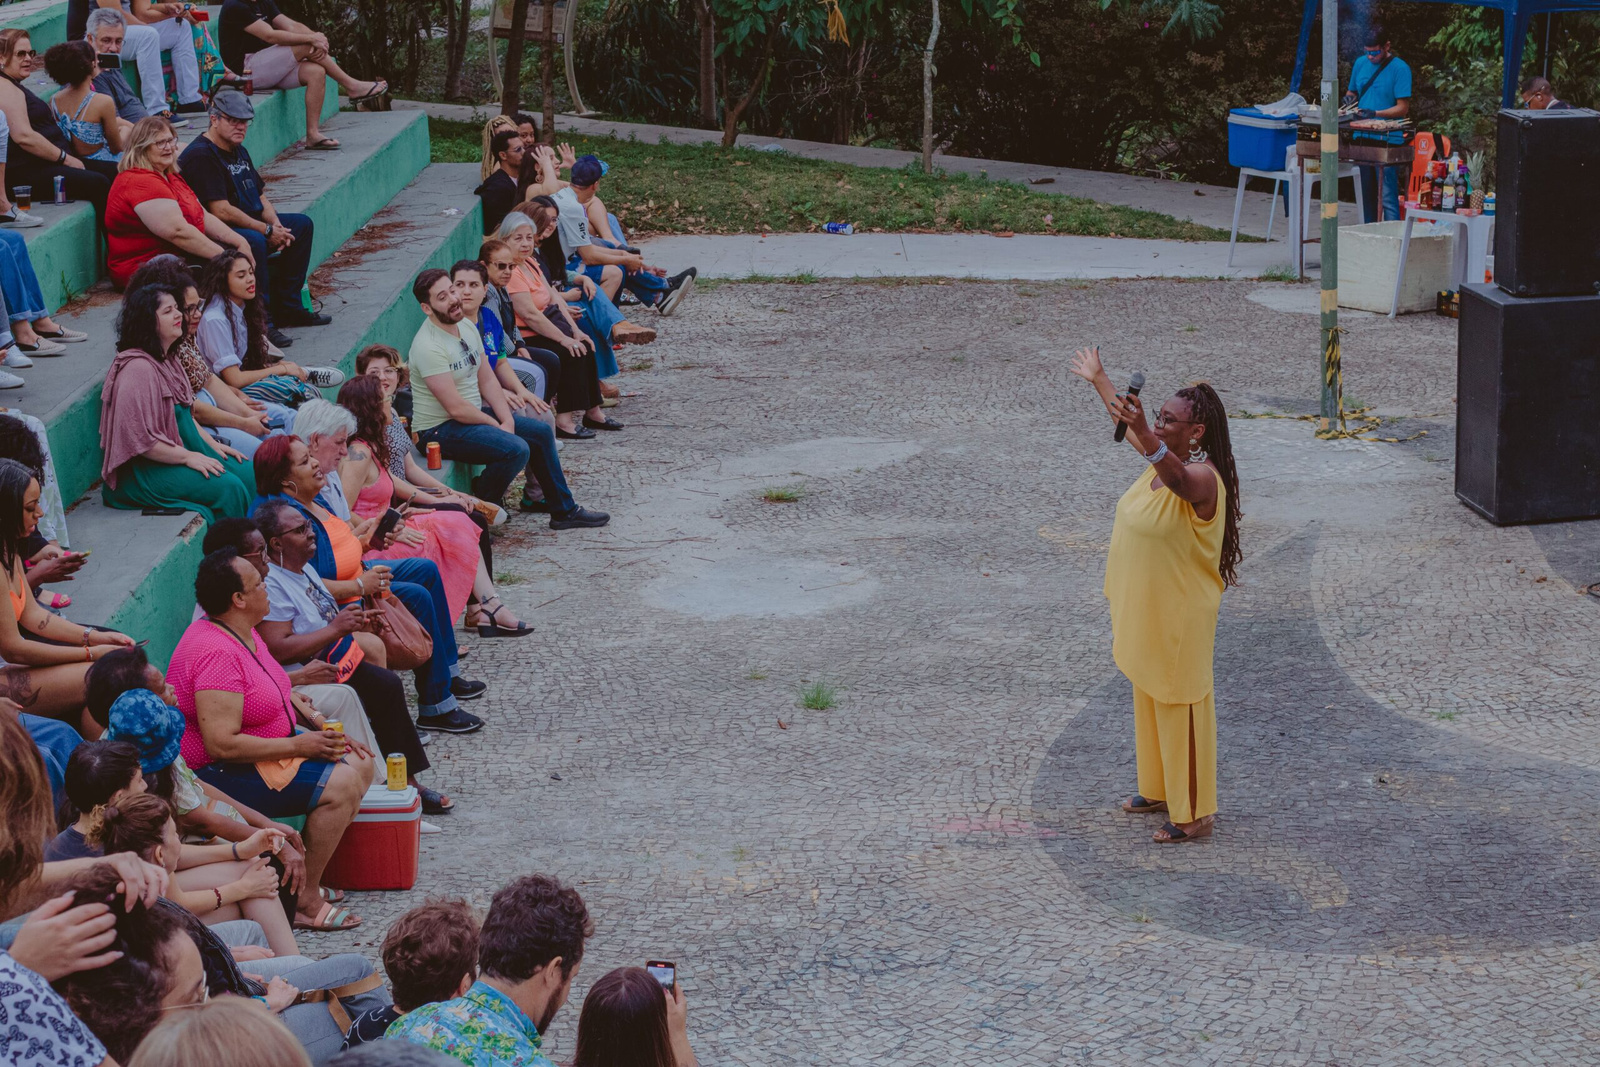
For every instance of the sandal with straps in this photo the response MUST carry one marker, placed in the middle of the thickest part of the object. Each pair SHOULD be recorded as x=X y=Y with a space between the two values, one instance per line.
x=1138 y=805
x=496 y=630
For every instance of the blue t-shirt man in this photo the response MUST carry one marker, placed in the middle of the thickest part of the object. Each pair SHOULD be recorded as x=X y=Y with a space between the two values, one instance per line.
x=1381 y=82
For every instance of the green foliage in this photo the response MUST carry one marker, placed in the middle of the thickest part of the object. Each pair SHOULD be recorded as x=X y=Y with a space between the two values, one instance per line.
x=787 y=494
x=819 y=696
x=673 y=188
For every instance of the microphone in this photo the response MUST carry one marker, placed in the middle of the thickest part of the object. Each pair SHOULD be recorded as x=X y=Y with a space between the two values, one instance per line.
x=1135 y=384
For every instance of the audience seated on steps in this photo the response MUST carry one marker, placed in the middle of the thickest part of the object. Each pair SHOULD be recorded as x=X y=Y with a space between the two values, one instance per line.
x=287 y=471
x=151 y=29
x=45 y=656
x=305 y=624
x=106 y=32
x=87 y=117
x=539 y=369
x=542 y=167
x=547 y=321
x=499 y=190
x=99 y=773
x=234 y=339
x=430 y=954
x=529 y=949
x=241 y=713
x=204 y=813
x=218 y=168
x=45 y=551
x=226 y=413
x=37 y=152
x=285 y=54
x=523 y=380
x=155 y=455
x=629 y=1017
x=226 y=1031
x=449 y=535
x=458 y=403
x=650 y=284
x=152 y=210
x=26 y=325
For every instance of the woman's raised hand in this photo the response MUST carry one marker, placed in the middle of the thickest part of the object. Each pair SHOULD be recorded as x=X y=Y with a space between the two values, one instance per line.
x=1086 y=364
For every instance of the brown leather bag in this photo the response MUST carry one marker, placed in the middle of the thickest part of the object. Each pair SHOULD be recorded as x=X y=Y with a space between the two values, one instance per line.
x=404 y=638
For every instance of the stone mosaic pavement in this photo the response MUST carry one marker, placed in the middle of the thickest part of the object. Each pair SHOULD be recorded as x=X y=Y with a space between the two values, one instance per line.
x=933 y=871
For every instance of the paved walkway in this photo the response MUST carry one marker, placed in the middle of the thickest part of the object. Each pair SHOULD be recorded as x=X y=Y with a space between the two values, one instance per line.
x=934 y=870
x=1208 y=204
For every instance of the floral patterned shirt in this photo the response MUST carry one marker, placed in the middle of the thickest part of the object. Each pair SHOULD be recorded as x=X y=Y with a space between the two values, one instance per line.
x=481 y=1029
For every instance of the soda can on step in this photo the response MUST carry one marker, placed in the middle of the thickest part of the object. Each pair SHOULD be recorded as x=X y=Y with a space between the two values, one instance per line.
x=435 y=457
x=397 y=770
x=61 y=189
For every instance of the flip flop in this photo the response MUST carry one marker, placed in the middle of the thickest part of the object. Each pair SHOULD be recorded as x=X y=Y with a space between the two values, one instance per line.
x=1138 y=805
x=323 y=144
x=329 y=918
x=1176 y=836
x=379 y=88
x=332 y=896
x=55 y=601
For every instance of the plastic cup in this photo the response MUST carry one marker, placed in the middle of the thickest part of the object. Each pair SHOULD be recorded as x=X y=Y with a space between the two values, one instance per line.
x=24 y=197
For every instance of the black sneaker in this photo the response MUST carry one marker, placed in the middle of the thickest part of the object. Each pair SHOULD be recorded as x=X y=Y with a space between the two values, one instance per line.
x=579 y=518
x=278 y=337
x=454 y=721
x=196 y=108
x=682 y=284
x=466 y=688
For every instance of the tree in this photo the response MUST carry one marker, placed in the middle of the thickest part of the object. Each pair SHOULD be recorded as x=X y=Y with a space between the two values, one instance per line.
x=705 y=20
x=511 y=94
x=1005 y=12
x=547 y=69
x=457 y=24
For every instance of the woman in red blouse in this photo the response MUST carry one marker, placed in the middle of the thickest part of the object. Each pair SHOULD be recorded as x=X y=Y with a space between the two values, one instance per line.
x=152 y=210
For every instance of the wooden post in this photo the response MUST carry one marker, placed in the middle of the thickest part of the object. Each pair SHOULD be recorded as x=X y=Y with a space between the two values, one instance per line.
x=927 y=93
x=1332 y=375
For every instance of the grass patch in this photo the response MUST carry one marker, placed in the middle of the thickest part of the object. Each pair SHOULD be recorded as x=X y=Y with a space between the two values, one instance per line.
x=642 y=364
x=1276 y=274
x=509 y=579
x=756 y=674
x=670 y=188
x=819 y=696
x=785 y=494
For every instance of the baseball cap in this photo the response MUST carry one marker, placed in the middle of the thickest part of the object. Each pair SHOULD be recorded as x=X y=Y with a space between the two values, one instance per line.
x=586 y=170
x=234 y=104
x=142 y=719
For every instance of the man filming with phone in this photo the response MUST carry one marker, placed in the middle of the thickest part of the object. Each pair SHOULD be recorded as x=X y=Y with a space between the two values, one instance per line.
x=106 y=31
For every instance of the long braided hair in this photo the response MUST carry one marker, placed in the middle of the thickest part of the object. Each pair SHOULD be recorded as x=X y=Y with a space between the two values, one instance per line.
x=1205 y=406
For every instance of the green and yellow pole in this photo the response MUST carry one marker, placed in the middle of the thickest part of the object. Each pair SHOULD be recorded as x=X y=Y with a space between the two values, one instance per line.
x=1332 y=380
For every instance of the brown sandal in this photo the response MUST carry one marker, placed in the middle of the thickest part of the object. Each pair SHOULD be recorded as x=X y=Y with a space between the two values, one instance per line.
x=1138 y=805
x=1176 y=836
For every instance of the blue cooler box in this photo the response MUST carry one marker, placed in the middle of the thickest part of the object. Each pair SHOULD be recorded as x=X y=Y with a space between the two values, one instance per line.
x=1259 y=141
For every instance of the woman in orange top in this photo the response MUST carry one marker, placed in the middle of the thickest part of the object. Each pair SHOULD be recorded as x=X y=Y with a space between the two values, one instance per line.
x=46 y=676
x=1174 y=548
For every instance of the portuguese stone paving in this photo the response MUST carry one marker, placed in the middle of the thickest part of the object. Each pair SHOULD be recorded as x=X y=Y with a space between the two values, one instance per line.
x=933 y=870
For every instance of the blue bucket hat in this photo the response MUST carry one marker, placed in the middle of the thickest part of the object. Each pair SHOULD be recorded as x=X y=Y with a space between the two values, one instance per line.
x=586 y=170
x=143 y=720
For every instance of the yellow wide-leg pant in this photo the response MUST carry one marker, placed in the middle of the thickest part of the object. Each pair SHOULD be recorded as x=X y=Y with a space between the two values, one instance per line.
x=1176 y=747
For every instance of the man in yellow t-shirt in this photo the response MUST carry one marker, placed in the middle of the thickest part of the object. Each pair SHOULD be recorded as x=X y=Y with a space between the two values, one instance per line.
x=457 y=402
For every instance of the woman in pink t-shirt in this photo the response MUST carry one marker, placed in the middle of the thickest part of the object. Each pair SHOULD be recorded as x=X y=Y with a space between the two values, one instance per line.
x=240 y=720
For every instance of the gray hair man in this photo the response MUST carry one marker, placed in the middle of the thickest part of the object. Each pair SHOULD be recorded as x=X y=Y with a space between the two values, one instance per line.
x=106 y=31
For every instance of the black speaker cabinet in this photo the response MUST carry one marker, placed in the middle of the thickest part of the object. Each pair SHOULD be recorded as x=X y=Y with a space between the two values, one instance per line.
x=1528 y=406
x=1547 y=229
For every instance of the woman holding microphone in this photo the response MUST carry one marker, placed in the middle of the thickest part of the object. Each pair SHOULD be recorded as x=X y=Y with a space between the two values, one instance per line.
x=1174 y=548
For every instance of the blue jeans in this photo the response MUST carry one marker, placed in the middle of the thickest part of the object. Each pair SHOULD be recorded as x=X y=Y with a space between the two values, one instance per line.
x=1370 y=197
x=282 y=274
x=56 y=740
x=532 y=447
x=598 y=316
x=417 y=584
x=24 y=299
x=649 y=288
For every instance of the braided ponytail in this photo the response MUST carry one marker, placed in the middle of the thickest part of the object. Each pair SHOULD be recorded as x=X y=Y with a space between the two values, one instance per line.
x=1205 y=406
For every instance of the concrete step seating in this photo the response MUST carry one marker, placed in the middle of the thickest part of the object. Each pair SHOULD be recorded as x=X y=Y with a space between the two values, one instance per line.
x=382 y=213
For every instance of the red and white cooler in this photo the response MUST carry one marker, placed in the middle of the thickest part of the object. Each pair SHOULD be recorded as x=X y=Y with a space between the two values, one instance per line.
x=379 y=849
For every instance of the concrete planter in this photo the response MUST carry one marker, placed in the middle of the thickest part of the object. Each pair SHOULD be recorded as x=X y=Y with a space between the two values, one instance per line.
x=1369 y=258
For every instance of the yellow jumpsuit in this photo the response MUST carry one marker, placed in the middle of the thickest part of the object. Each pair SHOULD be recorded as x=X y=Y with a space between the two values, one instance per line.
x=1164 y=589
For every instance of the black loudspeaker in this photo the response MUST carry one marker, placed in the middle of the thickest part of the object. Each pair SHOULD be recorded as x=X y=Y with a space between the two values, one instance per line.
x=1547 y=229
x=1528 y=406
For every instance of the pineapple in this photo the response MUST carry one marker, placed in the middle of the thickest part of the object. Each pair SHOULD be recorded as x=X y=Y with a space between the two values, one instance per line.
x=1475 y=178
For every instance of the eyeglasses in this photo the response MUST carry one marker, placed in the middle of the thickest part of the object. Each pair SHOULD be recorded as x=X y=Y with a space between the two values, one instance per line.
x=1163 y=419
x=165 y=142
x=305 y=524
x=205 y=997
x=24 y=53
x=191 y=309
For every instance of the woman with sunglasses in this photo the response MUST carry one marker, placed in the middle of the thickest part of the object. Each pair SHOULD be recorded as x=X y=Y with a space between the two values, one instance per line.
x=1174 y=549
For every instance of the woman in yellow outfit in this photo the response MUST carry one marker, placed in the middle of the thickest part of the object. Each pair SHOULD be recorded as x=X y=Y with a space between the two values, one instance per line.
x=1174 y=547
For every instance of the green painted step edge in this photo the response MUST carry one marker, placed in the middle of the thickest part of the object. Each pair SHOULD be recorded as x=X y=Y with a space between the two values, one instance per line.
x=162 y=604
x=45 y=27
x=68 y=257
x=339 y=211
x=159 y=609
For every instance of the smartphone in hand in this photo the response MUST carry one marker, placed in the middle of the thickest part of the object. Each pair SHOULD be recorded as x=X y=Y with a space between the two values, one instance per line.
x=663 y=971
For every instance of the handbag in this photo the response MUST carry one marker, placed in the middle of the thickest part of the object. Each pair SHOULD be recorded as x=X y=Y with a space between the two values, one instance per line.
x=404 y=639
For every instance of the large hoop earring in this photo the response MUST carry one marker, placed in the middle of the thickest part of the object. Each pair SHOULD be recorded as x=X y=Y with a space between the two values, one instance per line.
x=1196 y=453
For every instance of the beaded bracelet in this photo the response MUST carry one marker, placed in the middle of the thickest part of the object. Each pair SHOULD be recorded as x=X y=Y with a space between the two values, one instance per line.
x=1158 y=455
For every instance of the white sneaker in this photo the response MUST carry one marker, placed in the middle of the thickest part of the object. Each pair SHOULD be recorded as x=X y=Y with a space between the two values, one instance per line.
x=10 y=381
x=15 y=358
x=20 y=220
x=430 y=828
x=325 y=377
